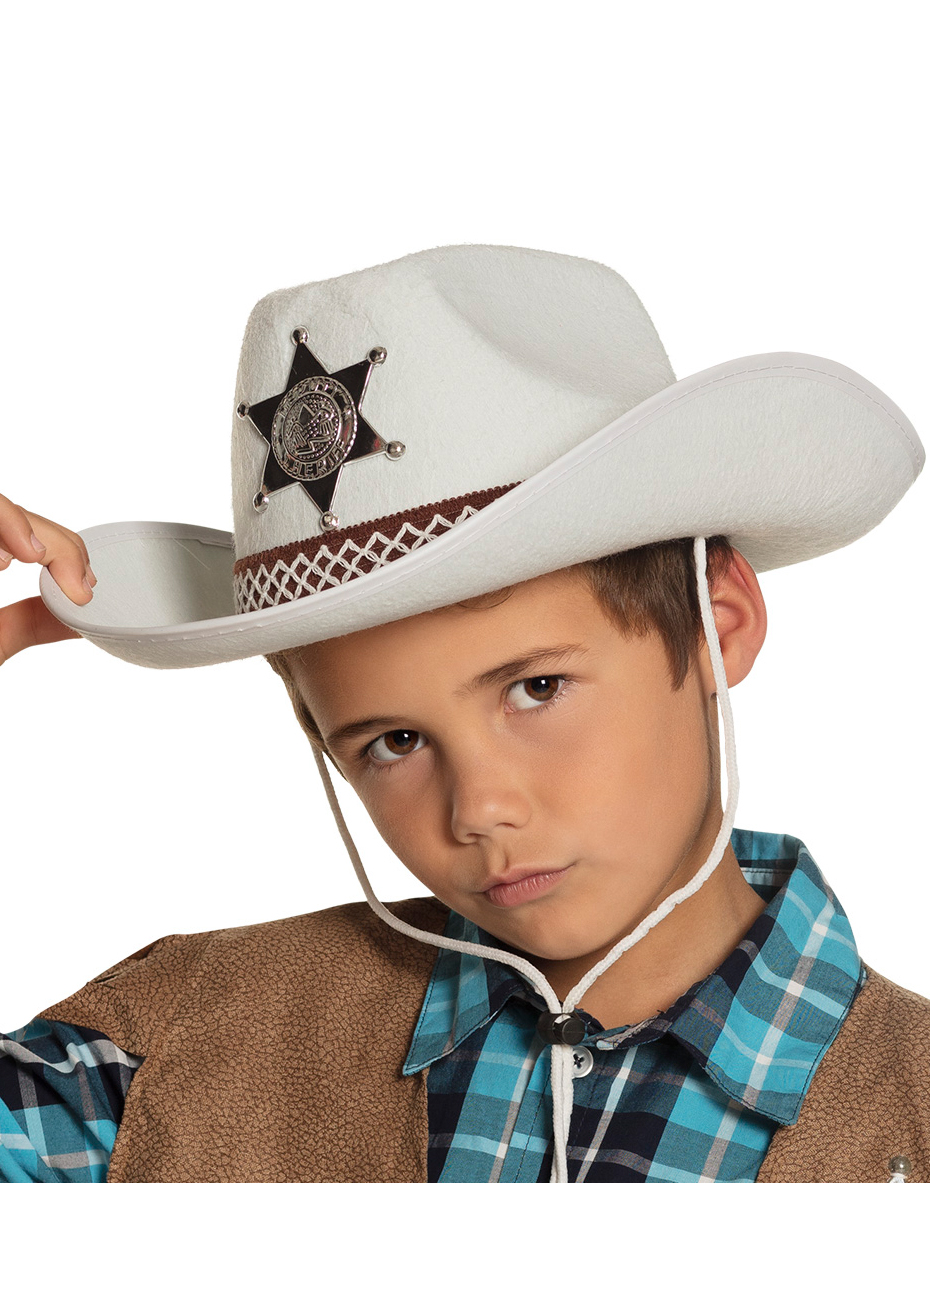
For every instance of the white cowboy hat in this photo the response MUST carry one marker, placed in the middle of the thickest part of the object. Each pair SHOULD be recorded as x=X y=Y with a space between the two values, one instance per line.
x=467 y=418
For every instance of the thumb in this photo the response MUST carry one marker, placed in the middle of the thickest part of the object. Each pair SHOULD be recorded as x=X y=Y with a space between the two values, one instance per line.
x=29 y=622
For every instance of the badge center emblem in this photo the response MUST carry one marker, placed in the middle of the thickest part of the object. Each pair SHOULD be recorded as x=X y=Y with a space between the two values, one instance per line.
x=314 y=428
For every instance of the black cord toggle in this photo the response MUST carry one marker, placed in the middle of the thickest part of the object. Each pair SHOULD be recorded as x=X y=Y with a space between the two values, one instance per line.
x=561 y=1028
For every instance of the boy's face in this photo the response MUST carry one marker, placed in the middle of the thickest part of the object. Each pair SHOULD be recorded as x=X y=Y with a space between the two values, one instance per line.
x=528 y=763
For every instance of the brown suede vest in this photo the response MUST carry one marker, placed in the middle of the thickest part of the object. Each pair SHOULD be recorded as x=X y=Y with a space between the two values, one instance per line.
x=273 y=1053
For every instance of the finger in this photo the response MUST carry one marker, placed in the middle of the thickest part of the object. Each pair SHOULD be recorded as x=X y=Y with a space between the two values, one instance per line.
x=32 y=538
x=27 y=623
x=68 y=562
x=17 y=537
x=44 y=527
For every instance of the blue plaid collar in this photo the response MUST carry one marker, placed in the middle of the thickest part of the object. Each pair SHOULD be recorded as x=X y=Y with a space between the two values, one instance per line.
x=758 y=1026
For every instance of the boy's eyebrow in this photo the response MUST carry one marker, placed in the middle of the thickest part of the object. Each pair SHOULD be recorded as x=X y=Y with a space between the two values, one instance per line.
x=512 y=670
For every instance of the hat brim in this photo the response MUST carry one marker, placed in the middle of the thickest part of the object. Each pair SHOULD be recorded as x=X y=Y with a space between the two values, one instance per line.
x=789 y=455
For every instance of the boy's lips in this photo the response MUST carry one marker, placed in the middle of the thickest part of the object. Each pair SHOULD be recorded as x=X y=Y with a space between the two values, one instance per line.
x=520 y=884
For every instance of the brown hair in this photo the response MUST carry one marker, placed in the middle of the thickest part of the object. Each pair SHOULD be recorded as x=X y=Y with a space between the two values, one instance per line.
x=652 y=588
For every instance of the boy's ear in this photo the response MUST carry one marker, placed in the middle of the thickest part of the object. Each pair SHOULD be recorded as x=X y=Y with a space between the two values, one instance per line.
x=740 y=618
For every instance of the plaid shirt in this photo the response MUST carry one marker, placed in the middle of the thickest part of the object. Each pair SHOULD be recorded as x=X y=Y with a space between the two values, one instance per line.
x=692 y=1094
x=62 y=1090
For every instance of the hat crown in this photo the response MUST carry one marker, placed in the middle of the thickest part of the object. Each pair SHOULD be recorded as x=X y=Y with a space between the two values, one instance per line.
x=497 y=361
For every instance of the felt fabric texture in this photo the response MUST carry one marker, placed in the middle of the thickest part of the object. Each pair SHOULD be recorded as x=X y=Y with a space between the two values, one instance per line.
x=274 y=1052
x=825 y=462
x=486 y=346
x=503 y=366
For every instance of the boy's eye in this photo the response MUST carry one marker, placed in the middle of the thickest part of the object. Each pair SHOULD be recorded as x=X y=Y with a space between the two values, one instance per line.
x=534 y=691
x=395 y=744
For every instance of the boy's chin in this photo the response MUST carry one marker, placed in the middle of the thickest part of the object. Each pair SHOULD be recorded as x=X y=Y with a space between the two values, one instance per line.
x=555 y=944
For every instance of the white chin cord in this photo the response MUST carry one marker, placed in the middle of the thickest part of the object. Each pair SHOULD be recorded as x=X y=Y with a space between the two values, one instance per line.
x=562 y=1062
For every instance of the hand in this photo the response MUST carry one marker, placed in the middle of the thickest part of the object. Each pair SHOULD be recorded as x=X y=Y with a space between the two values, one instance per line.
x=34 y=539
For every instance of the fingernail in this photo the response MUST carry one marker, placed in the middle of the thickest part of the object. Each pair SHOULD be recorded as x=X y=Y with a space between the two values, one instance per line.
x=90 y=575
x=5 y=557
x=87 y=586
x=37 y=544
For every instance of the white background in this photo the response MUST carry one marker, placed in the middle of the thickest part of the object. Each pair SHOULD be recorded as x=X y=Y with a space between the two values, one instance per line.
x=757 y=172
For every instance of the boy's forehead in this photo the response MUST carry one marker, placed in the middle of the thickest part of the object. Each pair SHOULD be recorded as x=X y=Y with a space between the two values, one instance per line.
x=555 y=598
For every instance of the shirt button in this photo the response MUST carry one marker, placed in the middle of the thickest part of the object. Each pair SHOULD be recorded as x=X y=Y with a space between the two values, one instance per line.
x=582 y=1061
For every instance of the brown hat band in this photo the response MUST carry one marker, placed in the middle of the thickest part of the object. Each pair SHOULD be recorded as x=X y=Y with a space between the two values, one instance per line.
x=307 y=567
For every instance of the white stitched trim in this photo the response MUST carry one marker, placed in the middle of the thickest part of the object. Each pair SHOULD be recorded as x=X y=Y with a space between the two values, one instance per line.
x=263 y=588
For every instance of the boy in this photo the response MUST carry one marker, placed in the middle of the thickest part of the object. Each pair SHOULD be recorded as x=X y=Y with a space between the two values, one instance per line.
x=505 y=565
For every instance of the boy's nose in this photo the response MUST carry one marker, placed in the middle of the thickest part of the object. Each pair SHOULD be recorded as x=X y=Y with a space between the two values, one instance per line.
x=484 y=798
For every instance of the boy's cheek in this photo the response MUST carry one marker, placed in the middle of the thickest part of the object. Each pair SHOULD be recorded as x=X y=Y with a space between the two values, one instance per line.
x=409 y=827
